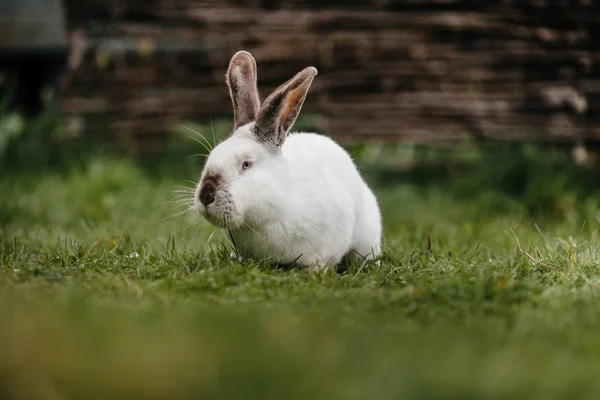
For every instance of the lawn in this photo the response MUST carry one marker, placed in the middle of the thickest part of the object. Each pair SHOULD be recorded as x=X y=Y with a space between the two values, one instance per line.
x=487 y=288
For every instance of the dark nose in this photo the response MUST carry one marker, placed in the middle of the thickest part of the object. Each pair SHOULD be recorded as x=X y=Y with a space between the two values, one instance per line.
x=207 y=193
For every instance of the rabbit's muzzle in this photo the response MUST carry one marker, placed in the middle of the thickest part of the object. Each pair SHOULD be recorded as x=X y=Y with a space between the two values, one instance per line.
x=214 y=201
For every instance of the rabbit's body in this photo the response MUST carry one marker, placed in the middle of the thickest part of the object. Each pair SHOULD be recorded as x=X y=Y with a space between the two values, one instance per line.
x=323 y=211
x=296 y=198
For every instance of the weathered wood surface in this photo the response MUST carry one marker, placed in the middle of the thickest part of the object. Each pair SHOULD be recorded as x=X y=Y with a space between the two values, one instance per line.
x=420 y=70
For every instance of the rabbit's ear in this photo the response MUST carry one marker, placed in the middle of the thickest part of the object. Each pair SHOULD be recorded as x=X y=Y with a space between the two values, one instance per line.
x=241 y=80
x=280 y=110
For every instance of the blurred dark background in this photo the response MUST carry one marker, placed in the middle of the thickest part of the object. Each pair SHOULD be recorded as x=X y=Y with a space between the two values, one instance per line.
x=476 y=124
x=420 y=71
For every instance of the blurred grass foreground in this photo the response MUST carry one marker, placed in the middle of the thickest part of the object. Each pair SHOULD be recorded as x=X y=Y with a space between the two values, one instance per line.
x=487 y=288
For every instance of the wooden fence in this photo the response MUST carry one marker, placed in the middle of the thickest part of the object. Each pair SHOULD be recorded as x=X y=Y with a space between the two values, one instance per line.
x=418 y=70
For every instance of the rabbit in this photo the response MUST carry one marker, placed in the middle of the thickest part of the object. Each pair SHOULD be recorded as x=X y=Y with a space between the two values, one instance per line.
x=288 y=198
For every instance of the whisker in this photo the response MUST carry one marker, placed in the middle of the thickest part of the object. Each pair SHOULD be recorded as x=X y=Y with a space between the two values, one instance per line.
x=180 y=213
x=191 y=185
x=178 y=199
x=180 y=192
x=207 y=146
x=195 y=132
x=186 y=206
x=200 y=143
x=192 y=221
x=249 y=227
x=183 y=194
x=183 y=187
x=182 y=197
x=198 y=155
x=181 y=200
x=173 y=216
x=184 y=191
x=178 y=203
x=189 y=209
x=213 y=131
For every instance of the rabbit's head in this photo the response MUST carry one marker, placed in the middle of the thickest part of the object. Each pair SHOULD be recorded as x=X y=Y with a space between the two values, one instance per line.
x=245 y=177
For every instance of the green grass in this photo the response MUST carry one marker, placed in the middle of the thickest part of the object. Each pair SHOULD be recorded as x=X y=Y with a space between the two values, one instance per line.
x=104 y=293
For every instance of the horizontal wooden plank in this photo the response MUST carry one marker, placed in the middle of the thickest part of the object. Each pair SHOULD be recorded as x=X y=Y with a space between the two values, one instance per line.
x=419 y=70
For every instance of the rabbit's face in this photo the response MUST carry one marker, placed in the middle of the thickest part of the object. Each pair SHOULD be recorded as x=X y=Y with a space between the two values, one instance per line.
x=241 y=182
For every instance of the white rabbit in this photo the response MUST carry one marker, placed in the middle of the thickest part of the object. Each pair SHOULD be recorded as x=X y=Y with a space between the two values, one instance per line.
x=286 y=198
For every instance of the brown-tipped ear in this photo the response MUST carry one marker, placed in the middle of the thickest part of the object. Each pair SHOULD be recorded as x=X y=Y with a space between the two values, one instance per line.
x=280 y=110
x=241 y=80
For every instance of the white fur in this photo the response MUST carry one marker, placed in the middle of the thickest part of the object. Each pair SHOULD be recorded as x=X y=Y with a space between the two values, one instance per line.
x=305 y=202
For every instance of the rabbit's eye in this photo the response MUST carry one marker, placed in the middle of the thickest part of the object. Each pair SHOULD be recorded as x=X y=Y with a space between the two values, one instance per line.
x=246 y=165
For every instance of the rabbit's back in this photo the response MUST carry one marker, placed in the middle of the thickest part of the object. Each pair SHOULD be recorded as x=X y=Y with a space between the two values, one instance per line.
x=318 y=161
x=330 y=195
